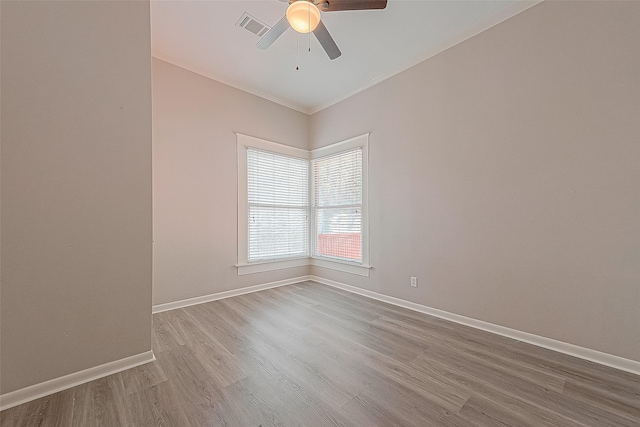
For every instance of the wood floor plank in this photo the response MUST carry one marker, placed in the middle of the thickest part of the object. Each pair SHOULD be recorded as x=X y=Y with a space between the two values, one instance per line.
x=277 y=312
x=157 y=405
x=365 y=414
x=432 y=387
x=381 y=307
x=221 y=367
x=209 y=327
x=287 y=295
x=559 y=403
x=410 y=407
x=55 y=410
x=197 y=394
x=99 y=403
x=449 y=343
x=577 y=369
x=485 y=413
x=335 y=304
x=259 y=393
x=369 y=336
x=287 y=365
x=311 y=404
x=243 y=406
x=504 y=398
x=602 y=398
x=314 y=355
x=142 y=377
x=164 y=335
x=282 y=329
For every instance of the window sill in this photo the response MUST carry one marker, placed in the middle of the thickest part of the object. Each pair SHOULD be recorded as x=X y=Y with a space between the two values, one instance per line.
x=261 y=267
x=346 y=267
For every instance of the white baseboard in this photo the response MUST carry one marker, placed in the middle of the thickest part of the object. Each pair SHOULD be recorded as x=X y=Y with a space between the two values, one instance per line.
x=158 y=308
x=606 y=359
x=14 y=398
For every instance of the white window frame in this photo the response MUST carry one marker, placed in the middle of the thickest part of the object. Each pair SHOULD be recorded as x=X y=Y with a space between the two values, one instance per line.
x=244 y=266
x=244 y=142
x=355 y=267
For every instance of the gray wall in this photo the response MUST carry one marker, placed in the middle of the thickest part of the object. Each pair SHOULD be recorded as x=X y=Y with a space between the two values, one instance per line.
x=195 y=179
x=76 y=187
x=504 y=174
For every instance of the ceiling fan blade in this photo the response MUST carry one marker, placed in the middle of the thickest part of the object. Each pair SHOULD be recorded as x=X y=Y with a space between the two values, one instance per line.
x=336 y=5
x=327 y=42
x=272 y=35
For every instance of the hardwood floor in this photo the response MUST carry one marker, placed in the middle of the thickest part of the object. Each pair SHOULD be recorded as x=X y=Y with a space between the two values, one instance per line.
x=312 y=355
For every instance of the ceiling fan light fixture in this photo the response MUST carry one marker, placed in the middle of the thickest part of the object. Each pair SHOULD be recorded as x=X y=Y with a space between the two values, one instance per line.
x=303 y=16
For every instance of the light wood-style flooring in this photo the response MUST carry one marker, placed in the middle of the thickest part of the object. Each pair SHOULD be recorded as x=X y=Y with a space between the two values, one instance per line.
x=312 y=355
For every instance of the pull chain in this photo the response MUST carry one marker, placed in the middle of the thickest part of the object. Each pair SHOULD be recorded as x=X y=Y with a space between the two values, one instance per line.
x=309 y=23
x=297 y=52
x=308 y=40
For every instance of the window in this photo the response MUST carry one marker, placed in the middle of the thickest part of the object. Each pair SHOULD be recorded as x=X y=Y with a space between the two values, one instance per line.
x=339 y=177
x=273 y=205
x=278 y=206
x=297 y=207
x=337 y=205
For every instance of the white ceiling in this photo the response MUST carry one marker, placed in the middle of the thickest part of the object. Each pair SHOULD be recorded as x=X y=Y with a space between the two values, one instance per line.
x=202 y=36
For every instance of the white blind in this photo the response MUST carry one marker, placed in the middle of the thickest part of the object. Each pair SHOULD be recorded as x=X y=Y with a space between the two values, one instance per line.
x=337 y=205
x=278 y=206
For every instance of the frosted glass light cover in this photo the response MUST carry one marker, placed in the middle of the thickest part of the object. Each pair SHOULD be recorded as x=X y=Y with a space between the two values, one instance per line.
x=303 y=16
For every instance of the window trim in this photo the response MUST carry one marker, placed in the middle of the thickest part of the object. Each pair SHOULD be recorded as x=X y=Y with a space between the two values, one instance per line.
x=358 y=142
x=243 y=265
x=244 y=142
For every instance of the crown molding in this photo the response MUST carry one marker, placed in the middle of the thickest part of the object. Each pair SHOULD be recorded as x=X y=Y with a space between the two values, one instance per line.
x=229 y=82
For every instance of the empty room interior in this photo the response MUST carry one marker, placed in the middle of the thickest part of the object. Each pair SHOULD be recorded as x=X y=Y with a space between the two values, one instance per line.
x=320 y=213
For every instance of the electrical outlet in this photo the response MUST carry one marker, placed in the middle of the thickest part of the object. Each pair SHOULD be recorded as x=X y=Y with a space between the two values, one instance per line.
x=414 y=282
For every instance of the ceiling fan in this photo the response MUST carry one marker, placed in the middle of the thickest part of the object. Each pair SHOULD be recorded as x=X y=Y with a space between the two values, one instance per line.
x=304 y=17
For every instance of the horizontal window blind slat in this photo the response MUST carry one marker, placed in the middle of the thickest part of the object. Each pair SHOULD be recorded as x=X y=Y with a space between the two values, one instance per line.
x=260 y=205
